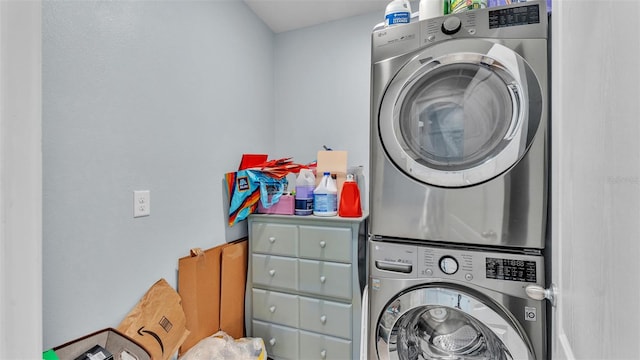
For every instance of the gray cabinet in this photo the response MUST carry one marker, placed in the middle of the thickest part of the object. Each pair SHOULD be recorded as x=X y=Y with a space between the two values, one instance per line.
x=303 y=293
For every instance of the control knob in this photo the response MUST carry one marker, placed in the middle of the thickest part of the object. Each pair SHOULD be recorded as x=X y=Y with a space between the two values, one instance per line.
x=448 y=265
x=451 y=25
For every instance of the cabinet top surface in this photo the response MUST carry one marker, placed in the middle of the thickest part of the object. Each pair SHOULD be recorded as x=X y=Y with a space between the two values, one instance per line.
x=308 y=218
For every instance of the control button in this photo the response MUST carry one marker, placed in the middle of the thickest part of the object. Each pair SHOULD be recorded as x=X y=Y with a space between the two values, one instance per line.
x=430 y=38
x=469 y=277
x=471 y=31
x=451 y=25
x=429 y=272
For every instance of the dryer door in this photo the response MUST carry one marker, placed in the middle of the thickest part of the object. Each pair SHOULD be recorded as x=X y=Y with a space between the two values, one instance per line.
x=441 y=322
x=460 y=113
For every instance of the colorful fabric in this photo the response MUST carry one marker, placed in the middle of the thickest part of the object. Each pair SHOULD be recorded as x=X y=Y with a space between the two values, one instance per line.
x=279 y=168
x=247 y=187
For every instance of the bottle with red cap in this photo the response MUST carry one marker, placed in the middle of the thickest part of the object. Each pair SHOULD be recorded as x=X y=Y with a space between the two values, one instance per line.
x=350 y=205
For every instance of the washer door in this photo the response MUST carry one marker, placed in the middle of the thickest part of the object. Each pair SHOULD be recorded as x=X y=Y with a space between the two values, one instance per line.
x=460 y=113
x=441 y=322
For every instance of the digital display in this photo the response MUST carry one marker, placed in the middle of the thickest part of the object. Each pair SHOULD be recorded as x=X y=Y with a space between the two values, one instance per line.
x=513 y=270
x=514 y=16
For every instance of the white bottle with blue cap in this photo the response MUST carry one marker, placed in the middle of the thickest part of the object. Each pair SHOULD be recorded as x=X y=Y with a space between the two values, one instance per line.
x=398 y=12
x=325 y=197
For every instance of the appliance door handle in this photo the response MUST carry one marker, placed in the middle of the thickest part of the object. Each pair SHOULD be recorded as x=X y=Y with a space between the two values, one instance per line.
x=537 y=292
x=394 y=266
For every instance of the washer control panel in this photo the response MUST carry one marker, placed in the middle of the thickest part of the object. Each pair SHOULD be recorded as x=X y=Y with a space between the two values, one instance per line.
x=503 y=268
x=511 y=272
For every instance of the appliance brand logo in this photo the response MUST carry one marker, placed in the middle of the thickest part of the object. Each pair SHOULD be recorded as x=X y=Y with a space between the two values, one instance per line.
x=530 y=313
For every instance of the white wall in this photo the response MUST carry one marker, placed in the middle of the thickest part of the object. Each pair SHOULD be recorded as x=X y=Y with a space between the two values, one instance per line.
x=596 y=178
x=322 y=93
x=141 y=95
x=20 y=181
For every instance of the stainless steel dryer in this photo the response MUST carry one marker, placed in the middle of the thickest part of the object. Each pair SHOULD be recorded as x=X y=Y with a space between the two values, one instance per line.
x=459 y=128
x=430 y=302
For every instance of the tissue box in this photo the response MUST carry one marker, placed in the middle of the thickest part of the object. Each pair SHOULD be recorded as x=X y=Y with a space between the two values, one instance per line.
x=285 y=206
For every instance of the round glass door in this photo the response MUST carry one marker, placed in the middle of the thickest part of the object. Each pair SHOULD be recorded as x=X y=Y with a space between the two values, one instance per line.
x=442 y=323
x=460 y=119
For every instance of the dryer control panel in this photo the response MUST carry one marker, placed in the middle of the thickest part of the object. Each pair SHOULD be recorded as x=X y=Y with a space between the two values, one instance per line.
x=522 y=21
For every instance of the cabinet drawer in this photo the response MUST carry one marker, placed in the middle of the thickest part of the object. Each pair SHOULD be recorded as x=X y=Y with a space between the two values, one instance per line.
x=319 y=243
x=275 y=271
x=316 y=346
x=327 y=317
x=325 y=278
x=276 y=239
x=280 y=341
x=275 y=307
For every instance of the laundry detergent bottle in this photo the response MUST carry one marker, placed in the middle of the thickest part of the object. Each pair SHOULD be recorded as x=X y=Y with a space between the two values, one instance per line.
x=305 y=184
x=428 y=9
x=398 y=12
x=325 y=197
x=350 y=205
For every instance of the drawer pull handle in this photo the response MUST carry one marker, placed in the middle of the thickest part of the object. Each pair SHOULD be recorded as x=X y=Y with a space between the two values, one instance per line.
x=323 y=319
x=272 y=341
x=272 y=272
x=272 y=308
x=272 y=239
x=323 y=279
x=323 y=354
x=323 y=244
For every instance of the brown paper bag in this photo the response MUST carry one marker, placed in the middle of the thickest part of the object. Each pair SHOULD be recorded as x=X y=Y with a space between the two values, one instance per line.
x=212 y=285
x=199 y=287
x=157 y=322
x=234 y=277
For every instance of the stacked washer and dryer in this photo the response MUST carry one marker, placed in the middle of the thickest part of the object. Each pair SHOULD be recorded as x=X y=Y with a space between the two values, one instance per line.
x=459 y=184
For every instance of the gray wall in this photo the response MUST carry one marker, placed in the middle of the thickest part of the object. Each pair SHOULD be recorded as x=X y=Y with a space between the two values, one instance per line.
x=166 y=96
x=322 y=89
x=141 y=95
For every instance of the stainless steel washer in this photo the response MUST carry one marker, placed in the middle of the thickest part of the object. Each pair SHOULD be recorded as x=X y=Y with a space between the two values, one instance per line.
x=459 y=128
x=431 y=302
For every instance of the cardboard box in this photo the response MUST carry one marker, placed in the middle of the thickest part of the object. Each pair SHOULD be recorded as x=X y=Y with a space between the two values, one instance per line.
x=285 y=206
x=118 y=344
x=334 y=162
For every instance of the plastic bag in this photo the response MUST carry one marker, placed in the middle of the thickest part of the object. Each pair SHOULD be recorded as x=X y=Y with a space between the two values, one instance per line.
x=247 y=187
x=222 y=346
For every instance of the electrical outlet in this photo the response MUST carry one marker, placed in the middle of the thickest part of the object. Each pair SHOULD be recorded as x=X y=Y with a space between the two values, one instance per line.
x=141 y=203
